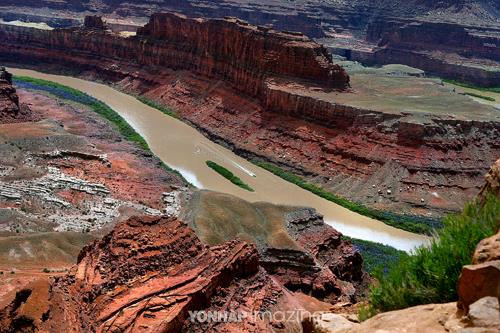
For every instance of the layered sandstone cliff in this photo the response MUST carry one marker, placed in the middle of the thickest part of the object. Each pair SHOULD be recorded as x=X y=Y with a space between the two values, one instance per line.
x=230 y=50
x=451 y=50
x=268 y=95
x=221 y=47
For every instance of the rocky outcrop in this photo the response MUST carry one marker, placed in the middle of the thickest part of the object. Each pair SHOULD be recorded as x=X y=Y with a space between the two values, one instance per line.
x=481 y=278
x=153 y=274
x=295 y=245
x=9 y=101
x=11 y=111
x=94 y=22
x=147 y=273
x=487 y=250
x=325 y=265
x=492 y=184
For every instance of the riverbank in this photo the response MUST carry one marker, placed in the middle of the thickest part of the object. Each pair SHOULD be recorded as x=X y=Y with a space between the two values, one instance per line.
x=266 y=187
x=375 y=255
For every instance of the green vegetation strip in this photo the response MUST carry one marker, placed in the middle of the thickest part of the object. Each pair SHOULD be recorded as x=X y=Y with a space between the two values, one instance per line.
x=157 y=106
x=488 y=98
x=431 y=274
x=470 y=86
x=376 y=256
x=408 y=223
x=97 y=106
x=228 y=175
x=74 y=95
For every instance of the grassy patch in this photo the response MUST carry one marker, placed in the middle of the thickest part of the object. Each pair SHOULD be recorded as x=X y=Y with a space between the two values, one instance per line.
x=471 y=86
x=430 y=275
x=228 y=175
x=157 y=106
x=74 y=95
x=409 y=223
x=376 y=256
x=488 y=98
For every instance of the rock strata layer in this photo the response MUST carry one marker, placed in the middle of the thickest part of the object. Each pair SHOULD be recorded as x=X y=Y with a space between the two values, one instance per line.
x=11 y=111
x=146 y=275
x=269 y=95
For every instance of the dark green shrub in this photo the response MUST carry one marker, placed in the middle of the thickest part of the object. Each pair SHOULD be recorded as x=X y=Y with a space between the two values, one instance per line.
x=376 y=256
x=488 y=98
x=430 y=275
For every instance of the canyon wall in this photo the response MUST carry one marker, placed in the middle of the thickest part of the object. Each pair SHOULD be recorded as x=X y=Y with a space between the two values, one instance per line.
x=265 y=109
x=229 y=50
x=221 y=47
x=464 y=53
x=359 y=24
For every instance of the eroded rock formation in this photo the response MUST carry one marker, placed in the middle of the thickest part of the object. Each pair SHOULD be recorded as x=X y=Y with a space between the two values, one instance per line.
x=295 y=245
x=147 y=274
x=11 y=111
x=492 y=183
x=9 y=101
x=94 y=22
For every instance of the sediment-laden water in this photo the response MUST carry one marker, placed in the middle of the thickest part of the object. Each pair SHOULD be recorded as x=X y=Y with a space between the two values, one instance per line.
x=185 y=149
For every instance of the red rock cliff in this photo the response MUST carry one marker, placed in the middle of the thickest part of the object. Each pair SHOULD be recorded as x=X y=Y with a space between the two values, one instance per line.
x=229 y=50
x=10 y=109
x=223 y=46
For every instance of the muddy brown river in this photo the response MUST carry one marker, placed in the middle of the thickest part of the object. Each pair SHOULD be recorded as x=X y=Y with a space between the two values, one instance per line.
x=185 y=149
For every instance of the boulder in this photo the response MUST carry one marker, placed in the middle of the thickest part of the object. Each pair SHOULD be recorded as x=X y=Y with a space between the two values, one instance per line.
x=487 y=250
x=485 y=313
x=478 y=281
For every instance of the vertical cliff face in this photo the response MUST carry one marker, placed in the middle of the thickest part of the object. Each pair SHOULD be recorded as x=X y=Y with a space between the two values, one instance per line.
x=229 y=50
x=237 y=45
x=9 y=102
x=10 y=109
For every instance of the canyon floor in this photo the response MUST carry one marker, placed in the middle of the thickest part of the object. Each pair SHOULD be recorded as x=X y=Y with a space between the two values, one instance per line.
x=389 y=141
x=69 y=179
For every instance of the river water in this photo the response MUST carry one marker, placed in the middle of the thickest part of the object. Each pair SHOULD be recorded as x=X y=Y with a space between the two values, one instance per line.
x=185 y=149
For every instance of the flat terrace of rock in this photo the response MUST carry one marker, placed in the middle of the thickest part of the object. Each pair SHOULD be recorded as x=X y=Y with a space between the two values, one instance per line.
x=400 y=95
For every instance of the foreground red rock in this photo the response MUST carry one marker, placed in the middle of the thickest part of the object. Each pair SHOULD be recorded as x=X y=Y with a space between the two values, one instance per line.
x=145 y=276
